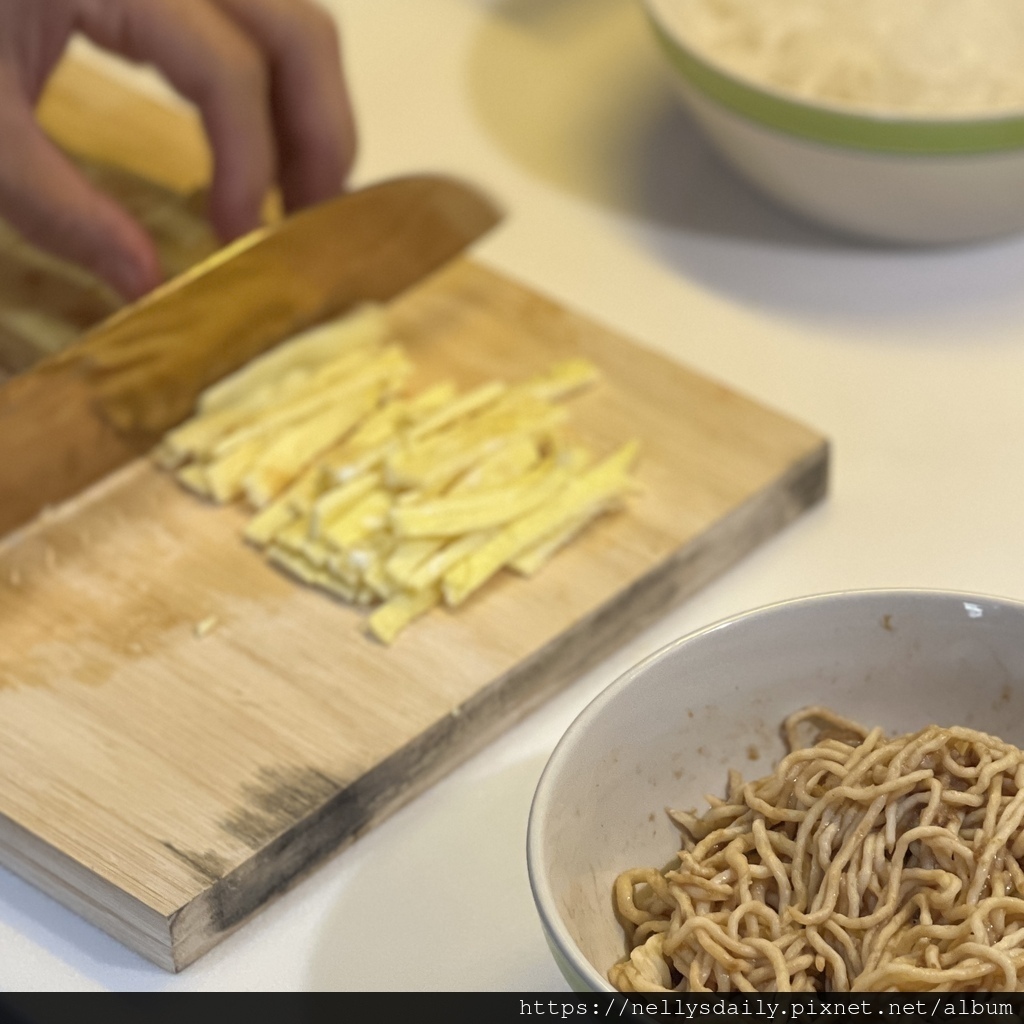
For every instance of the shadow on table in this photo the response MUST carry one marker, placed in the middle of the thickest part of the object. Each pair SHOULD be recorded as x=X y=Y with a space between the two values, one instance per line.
x=574 y=92
x=436 y=928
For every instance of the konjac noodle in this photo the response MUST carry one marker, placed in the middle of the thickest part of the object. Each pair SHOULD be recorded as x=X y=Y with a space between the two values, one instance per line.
x=862 y=863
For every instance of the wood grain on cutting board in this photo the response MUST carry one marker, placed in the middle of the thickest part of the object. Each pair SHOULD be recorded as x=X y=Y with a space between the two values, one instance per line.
x=166 y=780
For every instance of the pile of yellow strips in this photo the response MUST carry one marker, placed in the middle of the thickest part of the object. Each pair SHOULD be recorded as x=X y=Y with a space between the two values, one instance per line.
x=388 y=499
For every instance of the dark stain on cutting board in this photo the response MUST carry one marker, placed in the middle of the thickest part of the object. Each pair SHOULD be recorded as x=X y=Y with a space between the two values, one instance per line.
x=280 y=797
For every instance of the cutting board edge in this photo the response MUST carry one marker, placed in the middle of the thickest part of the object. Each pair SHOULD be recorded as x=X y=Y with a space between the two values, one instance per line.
x=217 y=912
x=88 y=894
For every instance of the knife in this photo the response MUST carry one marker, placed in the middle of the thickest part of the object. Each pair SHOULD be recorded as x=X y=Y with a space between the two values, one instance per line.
x=109 y=398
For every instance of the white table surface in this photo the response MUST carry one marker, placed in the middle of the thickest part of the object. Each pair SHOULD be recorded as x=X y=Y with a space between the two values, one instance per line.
x=911 y=362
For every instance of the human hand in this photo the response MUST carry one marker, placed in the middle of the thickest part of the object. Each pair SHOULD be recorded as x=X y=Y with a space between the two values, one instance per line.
x=265 y=75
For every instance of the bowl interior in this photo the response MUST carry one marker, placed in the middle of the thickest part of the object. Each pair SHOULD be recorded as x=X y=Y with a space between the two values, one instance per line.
x=845 y=125
x=668 y=731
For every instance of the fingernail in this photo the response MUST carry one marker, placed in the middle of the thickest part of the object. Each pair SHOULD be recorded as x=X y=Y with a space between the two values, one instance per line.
x=131 y=277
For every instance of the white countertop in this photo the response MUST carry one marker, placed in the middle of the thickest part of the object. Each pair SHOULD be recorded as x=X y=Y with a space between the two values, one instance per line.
x=911 y=362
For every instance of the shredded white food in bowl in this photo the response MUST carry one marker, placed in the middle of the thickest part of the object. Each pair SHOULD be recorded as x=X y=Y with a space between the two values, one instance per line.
x=921 y=57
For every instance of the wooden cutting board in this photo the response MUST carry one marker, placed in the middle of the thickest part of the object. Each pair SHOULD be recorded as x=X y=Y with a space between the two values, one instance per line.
x=167 y=779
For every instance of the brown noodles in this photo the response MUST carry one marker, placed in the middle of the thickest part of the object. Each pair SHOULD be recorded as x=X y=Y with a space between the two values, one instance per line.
x=862 y=863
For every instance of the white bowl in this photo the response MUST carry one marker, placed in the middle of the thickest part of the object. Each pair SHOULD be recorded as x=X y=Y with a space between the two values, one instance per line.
x=886 y=177
x=666 y=733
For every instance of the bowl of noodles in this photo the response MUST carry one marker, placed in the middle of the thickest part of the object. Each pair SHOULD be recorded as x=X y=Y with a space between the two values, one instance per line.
x=900 y=122
x=825 y=794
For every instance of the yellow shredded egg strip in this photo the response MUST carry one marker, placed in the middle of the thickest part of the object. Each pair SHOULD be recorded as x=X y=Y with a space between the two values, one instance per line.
x=387 y=499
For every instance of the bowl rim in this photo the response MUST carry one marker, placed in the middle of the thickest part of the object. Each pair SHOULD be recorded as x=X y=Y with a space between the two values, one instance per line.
x=832 y=123
x=544 y=900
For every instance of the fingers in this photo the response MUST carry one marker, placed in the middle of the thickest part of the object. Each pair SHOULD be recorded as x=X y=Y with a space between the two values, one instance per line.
x=212 y=61
x=315 y=128
x=41 y=193
x=33 y=34
x=46 y=199
x=266 y=76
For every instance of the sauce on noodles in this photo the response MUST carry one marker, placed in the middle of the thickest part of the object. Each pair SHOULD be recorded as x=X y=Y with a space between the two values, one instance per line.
x=862 y=863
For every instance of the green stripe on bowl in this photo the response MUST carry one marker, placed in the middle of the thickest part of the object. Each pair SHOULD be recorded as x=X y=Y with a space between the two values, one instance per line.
x=854 y=131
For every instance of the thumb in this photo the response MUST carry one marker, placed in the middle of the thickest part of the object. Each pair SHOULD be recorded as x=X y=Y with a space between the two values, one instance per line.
x=45 y=198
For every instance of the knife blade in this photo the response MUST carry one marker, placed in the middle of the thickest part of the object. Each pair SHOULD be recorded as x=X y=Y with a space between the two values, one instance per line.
x=108 y=398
